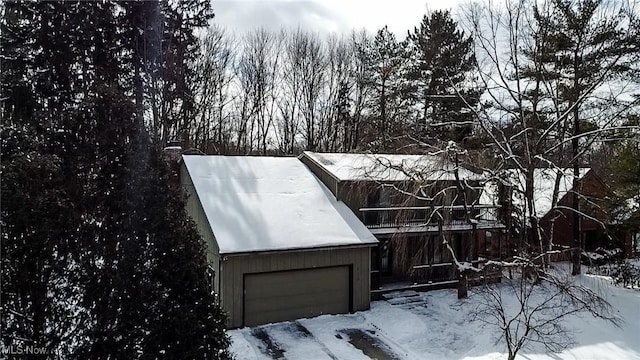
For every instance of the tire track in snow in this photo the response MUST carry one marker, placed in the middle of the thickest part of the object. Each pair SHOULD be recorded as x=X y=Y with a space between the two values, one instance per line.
x=292 y=341
x=405 y=301
x=370 y=345
x=306 y=331
x=269 y=348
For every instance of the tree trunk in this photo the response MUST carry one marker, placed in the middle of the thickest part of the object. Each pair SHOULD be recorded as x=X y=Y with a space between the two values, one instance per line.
x=577 y=246
x=576 y=173
x=463 y=286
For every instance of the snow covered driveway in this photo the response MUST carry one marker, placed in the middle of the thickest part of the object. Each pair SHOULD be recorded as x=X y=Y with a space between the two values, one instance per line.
x=432 y=325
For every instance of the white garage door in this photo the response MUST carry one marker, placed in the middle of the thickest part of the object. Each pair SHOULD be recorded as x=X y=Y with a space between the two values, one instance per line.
x=288 y=295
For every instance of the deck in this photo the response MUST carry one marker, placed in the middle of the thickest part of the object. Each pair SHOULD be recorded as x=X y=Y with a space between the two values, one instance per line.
x=421 y=219
x=404 y=285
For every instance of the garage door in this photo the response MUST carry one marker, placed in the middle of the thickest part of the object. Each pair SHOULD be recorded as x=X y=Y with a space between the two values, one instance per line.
x=288 y=295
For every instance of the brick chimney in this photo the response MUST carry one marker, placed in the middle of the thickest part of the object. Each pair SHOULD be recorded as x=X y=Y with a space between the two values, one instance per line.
x=172 y=156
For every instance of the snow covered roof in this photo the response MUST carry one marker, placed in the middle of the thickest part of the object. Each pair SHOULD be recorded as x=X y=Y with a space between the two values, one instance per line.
x=388 y=167
x=543 y=187
x=267 y=203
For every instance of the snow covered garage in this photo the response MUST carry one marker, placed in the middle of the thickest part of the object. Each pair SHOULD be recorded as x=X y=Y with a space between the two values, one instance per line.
x=280 y=244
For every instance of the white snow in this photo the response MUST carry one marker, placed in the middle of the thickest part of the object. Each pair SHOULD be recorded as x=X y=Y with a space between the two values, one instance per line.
x=268 y=203
x=388 y=167
x=435 y=325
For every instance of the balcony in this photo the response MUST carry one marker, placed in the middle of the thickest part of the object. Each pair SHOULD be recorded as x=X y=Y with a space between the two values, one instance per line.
x=381 y=220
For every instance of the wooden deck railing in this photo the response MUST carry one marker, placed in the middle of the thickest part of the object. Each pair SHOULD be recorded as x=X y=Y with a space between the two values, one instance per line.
x=393 y=217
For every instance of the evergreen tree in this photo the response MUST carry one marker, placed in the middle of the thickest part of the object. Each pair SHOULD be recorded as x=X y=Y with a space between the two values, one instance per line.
x=343 y=114
x=625 y=167
x=188 y=323
x=99 y=257
x=44 y=141
x=37 y=216
x=442 y=63
x=164 y=49
x=386 y=66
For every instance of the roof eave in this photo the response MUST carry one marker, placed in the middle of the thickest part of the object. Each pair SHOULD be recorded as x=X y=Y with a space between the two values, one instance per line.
x=297 y=249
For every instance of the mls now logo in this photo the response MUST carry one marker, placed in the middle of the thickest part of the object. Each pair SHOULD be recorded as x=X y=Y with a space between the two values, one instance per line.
x=23 y=350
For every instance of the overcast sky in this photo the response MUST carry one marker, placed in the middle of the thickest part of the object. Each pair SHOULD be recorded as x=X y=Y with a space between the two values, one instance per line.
x=326 y=16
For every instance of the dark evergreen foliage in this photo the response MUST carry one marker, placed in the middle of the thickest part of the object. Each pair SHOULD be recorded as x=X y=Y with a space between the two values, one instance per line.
x=625 y=166
x=389 y=109
x=99 y=258
x=442 y=64
x=164 y=48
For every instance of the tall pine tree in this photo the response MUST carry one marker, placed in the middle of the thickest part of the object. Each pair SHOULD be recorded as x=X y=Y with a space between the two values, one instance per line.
x=389 y=110
x=442 y=63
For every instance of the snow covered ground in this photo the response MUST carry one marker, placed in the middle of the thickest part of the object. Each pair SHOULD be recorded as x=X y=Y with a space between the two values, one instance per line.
x=434 y=325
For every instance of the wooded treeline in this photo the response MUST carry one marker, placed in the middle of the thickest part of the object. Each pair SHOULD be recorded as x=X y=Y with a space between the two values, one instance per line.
x=539 y=83
x=267 y=92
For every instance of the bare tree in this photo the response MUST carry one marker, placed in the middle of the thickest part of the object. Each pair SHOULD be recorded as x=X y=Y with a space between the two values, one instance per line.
x=339 y=65
x=215 y=75
x=531 y=307
x=257 y=71
x=537 y=102
x=360 y=91
x=244 y=120
x=287 y=128
x=313 y=59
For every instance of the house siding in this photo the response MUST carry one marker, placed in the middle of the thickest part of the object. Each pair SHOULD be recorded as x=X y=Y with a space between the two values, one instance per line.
x=235 y=267
x=403 y=255
x=558 y=224
x=195 y=210
x=355 y=194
